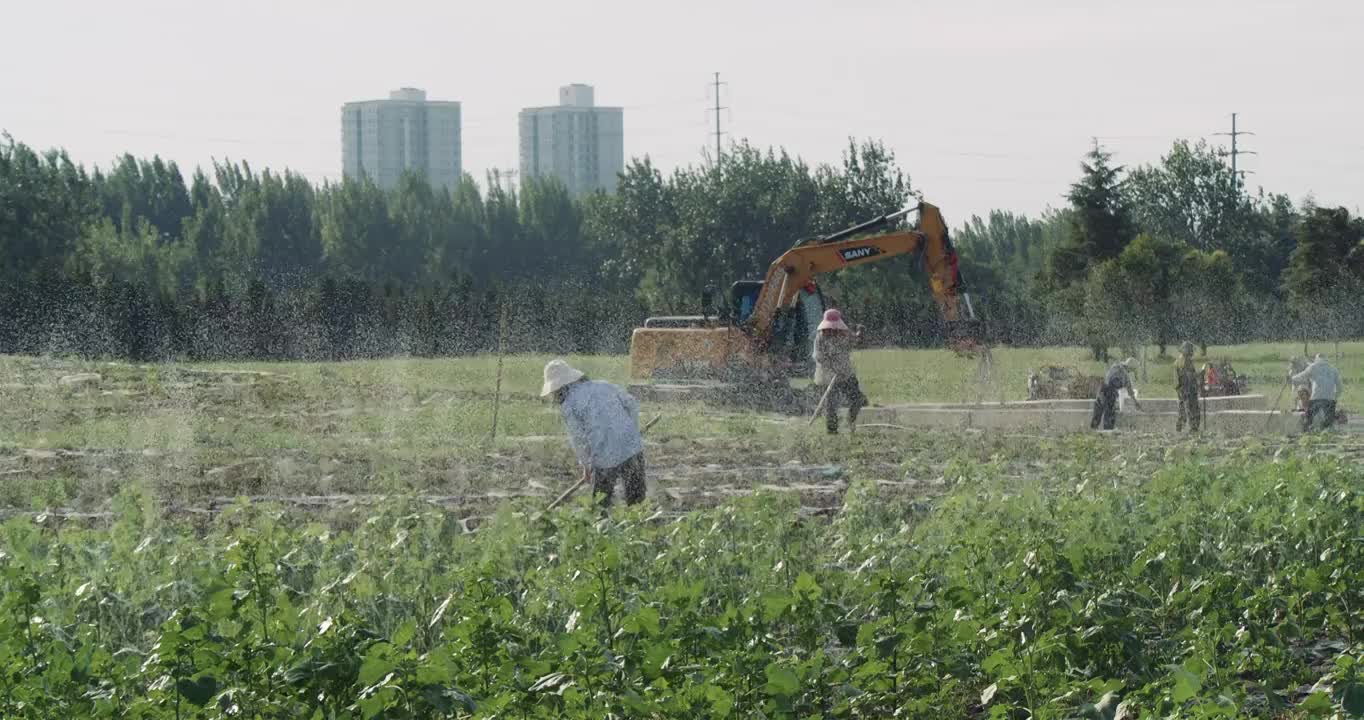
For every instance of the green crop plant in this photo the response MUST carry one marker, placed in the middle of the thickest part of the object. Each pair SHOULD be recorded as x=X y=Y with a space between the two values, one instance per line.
x=1207 y=585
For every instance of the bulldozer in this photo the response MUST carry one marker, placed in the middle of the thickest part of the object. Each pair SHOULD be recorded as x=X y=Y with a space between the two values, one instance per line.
x=760 y=337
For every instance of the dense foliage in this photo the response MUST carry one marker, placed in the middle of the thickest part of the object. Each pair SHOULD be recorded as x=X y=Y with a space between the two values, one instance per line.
x=1215 y=588
x=139 y=261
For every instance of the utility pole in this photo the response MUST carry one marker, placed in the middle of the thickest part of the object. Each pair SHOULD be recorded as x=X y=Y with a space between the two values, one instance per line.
x=717 y=110
x=1234 y=134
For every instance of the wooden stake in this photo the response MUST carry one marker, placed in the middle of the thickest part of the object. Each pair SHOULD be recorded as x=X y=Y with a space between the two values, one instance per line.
x=501 y=351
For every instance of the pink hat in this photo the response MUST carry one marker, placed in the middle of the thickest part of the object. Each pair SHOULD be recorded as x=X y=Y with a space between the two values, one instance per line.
x=833 y=320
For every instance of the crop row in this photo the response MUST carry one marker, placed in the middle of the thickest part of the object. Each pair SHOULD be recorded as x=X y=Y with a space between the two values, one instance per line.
x=1213 y=588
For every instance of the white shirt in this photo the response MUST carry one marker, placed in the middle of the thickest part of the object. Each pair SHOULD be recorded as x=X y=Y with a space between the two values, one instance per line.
x=1324 y=378
x=603 y=424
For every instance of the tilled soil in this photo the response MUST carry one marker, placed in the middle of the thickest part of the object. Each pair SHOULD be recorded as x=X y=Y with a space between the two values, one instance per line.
x=351 y=457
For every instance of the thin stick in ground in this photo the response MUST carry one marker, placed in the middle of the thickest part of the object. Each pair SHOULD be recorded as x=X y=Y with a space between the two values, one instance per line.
x=501 y=353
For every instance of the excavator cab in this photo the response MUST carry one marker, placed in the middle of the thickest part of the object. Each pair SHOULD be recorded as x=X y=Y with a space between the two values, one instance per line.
x=743 y=296
x=793 y=328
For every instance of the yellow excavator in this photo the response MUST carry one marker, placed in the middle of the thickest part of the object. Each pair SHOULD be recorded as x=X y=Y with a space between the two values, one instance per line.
x=749 y=349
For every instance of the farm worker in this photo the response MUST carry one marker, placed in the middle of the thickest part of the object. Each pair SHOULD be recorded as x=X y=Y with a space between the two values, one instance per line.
x=833 y=364
x=1187 y=382
x=602 y=421
x=1117 y=378
x=1302 y=391
x=1325 y=382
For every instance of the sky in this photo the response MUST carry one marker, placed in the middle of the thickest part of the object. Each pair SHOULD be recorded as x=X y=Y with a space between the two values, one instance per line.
x=987 y=105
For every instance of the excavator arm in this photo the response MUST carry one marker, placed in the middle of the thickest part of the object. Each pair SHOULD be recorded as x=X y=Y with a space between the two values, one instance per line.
x=790 y=272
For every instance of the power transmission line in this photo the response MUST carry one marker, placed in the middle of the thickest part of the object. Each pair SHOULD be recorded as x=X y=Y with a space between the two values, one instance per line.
x=717 y=110
x=1234 y=134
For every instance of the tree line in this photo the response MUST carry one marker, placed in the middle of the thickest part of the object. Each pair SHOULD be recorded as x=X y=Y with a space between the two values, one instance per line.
x=136 y=261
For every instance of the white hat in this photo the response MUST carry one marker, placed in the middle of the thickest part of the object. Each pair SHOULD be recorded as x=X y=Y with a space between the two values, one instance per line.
x=558 y=375
x=1129 y=363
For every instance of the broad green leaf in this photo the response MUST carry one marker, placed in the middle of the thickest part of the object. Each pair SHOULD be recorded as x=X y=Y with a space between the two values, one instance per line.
x=959 y=597
x=404 y=634
x=781 y=680
x=378 y=662
x=1000 y=663
x=1352 y=699
x=1186 y=684
x=775 y=604
x=721 y=701
x=198 y=691
x=647 y=618
x=1318 y=703
x=656 y=658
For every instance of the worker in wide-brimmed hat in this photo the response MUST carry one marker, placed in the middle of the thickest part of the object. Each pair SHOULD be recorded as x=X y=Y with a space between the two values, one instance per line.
x=602 y=421
x=1118 y=377
x=833 y=366
x=1188 y=384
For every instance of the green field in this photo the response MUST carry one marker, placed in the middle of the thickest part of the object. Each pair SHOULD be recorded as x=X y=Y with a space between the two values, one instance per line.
x=391 y=562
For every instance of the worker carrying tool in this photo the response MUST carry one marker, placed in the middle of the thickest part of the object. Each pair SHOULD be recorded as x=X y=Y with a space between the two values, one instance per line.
x=1117 y=378
x=834 y=370
x=1187 y=384
x=1325 y=382
x=602 y=421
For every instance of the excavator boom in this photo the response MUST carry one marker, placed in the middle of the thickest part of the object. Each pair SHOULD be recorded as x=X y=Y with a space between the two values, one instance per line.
x=795 y=267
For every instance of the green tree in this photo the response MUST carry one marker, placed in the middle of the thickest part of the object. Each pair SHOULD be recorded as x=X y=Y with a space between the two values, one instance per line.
x=1100 y=227
x=1159 y=290
x=356 y=230
x=45 y=202
x=136 y=257
x=1262 y=262
x=1328 y=242
x=1192 y=196
x=1326 y=271
x=551 y=229
x=633 y=226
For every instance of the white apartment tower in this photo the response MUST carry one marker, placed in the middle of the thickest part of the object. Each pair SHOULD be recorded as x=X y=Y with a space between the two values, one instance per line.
x=575 y=141
x=383 y=139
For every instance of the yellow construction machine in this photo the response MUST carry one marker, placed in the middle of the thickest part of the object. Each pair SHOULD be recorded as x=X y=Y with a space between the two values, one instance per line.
x=749 y=349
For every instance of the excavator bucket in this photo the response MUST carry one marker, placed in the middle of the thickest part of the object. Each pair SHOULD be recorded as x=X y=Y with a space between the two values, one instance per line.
x=966 y=337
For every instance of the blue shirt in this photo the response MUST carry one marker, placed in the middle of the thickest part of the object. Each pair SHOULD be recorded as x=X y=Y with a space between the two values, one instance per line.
x=603 y=424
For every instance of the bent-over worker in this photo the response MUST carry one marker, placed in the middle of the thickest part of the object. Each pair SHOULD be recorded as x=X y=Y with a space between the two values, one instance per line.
x=1325 y=381
x=833 y=364
x=602 y=421
x=1117 y=378
x=1187 y=385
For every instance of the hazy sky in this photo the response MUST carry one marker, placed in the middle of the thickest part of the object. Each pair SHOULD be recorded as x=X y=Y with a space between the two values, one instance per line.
x=986 y=104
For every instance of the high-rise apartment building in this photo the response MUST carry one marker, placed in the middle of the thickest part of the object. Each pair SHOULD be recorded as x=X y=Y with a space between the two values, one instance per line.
x=383 y=139
x=575 y=141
